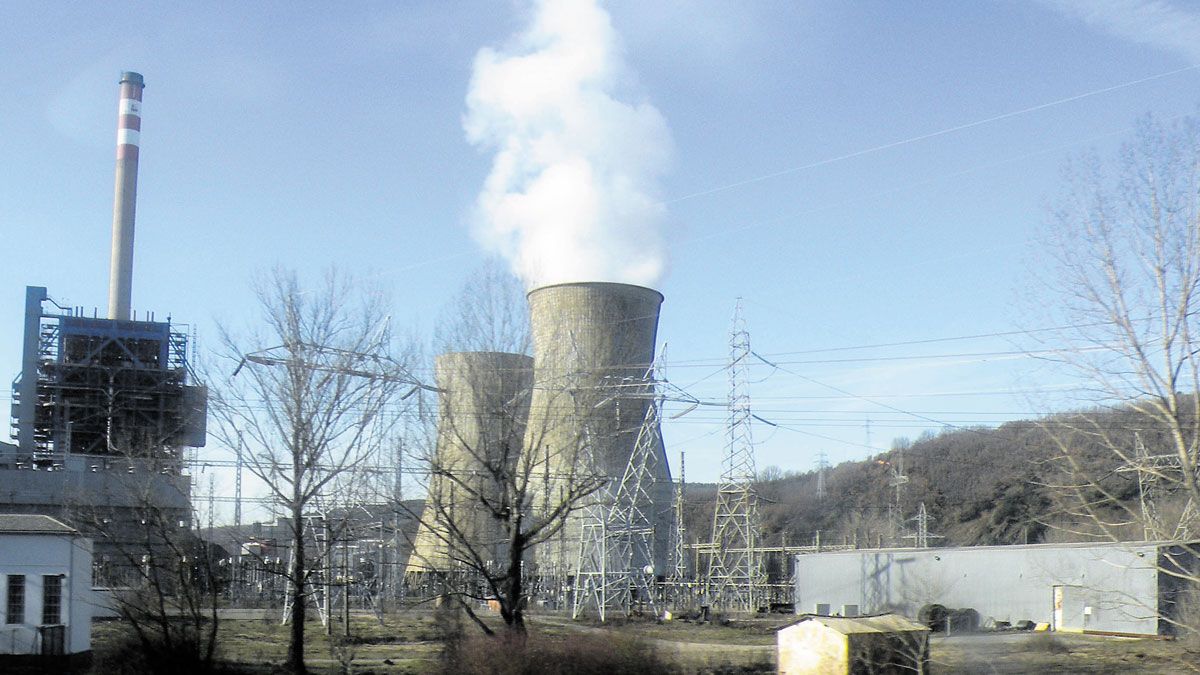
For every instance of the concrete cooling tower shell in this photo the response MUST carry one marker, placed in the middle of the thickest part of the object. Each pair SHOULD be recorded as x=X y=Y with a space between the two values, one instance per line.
x=593 y=344
x=482 y=412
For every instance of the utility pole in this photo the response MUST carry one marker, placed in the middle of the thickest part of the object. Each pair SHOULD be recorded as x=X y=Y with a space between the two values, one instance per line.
x=822 y=465
x=237 y=491
x=897 y=481
x=212 y=493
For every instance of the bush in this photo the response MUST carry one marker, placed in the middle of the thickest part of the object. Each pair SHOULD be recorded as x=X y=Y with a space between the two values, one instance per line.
x=127 y=655
x=579 y=654
x=1047 y=643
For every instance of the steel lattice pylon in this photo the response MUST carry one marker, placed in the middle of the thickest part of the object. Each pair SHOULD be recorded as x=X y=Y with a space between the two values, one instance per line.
x=616 y=552
x=922 y=536
x=1149 y=469
x=679 y=570
x=593 y=575
x=735 y=574
x=316 y=577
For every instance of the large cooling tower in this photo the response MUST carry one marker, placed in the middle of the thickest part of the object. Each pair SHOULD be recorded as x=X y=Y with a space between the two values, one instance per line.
x=481 y=423
x=593 y=344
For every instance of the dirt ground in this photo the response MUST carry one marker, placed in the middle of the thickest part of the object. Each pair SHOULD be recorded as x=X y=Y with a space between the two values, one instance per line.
x=1005 y=653
x=409 y=642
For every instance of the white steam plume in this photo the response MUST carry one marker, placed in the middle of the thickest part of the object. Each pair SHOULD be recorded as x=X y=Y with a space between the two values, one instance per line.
x=572 y=195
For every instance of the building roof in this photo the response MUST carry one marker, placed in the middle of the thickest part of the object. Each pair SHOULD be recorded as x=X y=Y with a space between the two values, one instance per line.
x=937 y=550
x=879 y=623
x=22 y=523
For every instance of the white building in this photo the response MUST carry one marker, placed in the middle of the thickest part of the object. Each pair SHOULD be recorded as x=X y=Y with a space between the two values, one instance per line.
x=828 y=645
x=45 y=587
x=1121 y=588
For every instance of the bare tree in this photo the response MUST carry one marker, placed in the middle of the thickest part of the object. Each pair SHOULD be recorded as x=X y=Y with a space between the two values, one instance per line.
x=1124 y=275
x=489 y=314
x=170 y=593
x=311 y=403
x=163 y=580
x=487 y=506
x=487 y=509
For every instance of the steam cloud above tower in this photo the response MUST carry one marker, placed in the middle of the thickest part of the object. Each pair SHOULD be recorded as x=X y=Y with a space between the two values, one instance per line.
x=572 y=194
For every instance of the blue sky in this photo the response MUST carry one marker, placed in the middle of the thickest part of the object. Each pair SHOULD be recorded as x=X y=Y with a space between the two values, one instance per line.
x=810 y=175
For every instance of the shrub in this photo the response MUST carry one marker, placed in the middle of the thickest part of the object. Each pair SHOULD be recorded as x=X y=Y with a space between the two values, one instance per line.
x=126 y=654
x=1047 y=643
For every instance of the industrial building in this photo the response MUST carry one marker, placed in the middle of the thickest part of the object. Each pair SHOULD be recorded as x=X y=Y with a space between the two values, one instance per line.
x=46 y=584
x=1128 y=588
x=104 y=407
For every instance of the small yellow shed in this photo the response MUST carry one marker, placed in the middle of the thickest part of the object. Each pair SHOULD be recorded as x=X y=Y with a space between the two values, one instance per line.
x=827 y=645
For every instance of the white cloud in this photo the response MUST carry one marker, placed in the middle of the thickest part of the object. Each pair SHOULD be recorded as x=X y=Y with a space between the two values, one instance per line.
x=1155 y=23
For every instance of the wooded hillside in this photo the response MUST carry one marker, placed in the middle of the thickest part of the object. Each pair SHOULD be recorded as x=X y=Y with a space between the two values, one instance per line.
x=980 y=486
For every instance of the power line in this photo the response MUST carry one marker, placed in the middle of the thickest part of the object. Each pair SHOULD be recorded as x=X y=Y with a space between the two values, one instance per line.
x=930 y=135
x=867 y=400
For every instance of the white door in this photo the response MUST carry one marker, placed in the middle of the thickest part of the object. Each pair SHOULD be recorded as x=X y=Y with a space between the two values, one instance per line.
x=1058 y=608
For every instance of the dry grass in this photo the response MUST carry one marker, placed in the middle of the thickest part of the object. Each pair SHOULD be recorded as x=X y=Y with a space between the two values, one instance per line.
x=1013 y=653
x=579 y=654
x=412 y=642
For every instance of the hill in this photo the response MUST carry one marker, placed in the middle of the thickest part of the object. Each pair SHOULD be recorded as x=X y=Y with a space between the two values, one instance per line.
x=980 y=486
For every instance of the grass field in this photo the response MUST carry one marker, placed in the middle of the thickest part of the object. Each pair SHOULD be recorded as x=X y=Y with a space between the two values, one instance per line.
x=411 y=642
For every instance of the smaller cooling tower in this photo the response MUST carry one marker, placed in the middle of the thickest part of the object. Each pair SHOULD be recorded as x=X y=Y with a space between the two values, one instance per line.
x=593 y=344
x=481 y=422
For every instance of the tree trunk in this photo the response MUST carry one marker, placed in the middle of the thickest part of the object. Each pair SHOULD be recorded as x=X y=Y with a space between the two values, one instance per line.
x=513 y=585
x=295 y=660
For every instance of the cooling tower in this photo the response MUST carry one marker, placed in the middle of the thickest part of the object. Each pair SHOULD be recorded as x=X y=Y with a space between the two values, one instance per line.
x=593 y=344
x=482 y=410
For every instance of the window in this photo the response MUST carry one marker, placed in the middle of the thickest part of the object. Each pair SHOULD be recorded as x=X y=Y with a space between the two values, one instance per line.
x=15 y=605
x=51 y=599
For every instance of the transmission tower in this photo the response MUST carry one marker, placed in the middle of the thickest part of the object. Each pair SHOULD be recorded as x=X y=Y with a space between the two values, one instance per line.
x=615 y=568
x=822 y=465
x=1147 y=478
x=679 y=573
x=1149 y=469
x=922 y=536
x=735 y=573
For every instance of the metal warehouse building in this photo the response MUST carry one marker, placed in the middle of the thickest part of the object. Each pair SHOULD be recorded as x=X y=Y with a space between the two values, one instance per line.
x=1123 y=588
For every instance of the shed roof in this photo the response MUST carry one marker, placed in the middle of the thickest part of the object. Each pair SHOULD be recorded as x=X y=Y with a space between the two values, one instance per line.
x=879 y=623
x=27 y=523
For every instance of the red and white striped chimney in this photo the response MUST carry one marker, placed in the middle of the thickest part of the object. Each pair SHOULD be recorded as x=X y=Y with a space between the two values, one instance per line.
x=129 y=126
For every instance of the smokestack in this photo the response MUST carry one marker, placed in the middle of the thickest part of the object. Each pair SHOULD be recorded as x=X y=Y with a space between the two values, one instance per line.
x=129 y=126
x=592 y=345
